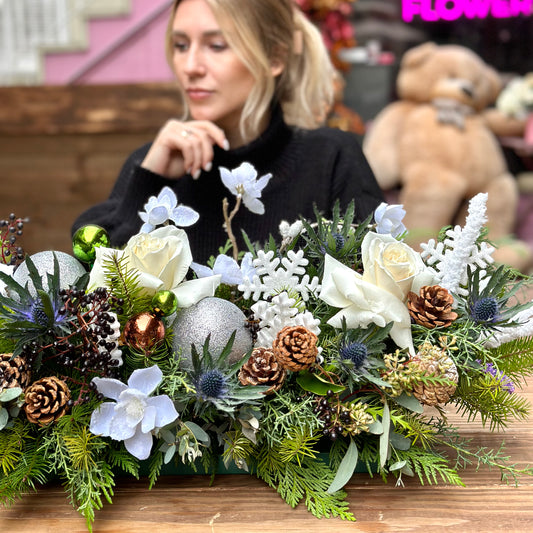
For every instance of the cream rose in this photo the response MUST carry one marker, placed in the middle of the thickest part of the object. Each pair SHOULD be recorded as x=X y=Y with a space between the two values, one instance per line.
x=162 y=259
x=362 y=303
x=393 y=265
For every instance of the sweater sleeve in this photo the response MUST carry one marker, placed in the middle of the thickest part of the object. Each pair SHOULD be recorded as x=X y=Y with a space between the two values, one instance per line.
x=353 y=179
x=119 y=213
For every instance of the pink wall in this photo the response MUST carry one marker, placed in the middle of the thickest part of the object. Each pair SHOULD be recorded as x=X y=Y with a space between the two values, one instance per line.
x=139 y=56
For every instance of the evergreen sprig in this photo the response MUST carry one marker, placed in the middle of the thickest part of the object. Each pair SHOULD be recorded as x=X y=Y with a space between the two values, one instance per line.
x=308 y=481
x=485 y=397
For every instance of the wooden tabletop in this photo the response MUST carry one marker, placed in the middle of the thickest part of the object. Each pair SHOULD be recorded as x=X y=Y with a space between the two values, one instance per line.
x=241 y=503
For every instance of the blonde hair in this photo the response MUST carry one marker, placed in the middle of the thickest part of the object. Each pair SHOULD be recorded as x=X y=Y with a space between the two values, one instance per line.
x=262 y=32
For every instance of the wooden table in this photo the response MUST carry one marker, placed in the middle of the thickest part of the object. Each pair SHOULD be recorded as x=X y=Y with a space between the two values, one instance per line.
x=240 y=503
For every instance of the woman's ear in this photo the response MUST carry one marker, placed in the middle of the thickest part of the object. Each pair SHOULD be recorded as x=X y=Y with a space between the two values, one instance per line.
x=276 y=67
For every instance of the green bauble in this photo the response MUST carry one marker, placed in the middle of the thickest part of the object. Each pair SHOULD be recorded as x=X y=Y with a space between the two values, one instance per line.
x=164 y=303
x=86 y=240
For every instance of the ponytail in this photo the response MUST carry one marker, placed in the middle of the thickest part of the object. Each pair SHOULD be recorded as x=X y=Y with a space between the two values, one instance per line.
x=309 y=74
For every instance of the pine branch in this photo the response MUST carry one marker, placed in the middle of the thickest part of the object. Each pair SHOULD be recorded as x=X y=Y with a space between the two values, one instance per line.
x=485 y=397
x=124 y=283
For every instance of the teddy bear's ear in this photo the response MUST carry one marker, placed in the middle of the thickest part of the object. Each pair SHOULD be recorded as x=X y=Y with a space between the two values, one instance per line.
x=417 y=55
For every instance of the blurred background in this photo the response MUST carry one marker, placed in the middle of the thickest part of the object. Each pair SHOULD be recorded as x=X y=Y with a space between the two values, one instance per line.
x=84 y=82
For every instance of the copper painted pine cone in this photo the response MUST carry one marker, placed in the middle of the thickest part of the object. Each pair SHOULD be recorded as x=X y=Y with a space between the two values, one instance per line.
x=13 y=372
x=295 y=348
x=262 y=368
x=46 y=400
x=433 y=308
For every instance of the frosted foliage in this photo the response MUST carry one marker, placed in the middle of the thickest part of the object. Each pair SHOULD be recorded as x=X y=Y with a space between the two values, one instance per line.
x=451 y=258
x=275 y=275
x=280 y=312
x=524 y=319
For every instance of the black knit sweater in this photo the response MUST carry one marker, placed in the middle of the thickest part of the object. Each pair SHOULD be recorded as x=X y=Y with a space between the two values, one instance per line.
x=308 y=167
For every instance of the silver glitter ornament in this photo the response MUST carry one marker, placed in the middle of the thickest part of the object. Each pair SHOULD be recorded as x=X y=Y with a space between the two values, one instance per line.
x=70 y=269
x=214 y=316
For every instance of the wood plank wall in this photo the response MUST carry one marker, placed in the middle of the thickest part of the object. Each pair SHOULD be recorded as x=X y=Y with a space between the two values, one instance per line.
x=61 y=149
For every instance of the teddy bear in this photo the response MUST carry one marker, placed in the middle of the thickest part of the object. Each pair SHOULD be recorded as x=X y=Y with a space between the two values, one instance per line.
x=434 y=147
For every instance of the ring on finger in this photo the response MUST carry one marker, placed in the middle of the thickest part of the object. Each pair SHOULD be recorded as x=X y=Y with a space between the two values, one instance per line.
x=186 y=133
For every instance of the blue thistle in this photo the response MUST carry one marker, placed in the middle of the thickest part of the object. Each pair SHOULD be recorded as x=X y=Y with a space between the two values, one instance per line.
x=339 y=241
x=357 y=352
x=485 y=310
x=212 y=384
x=37 y=315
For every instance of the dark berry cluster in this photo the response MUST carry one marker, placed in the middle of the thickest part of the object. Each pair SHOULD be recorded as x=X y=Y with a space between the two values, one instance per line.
x=252 y=324
x=11 y=228
x=332 y=414
x=87 y=350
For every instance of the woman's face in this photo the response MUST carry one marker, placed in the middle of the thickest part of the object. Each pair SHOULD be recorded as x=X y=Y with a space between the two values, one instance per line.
x=215 y=82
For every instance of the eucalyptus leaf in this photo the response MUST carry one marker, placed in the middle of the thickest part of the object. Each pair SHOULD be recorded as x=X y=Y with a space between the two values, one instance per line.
x=198 y=432
x=10 y=394
x=399 y=441
x=398 y=465
x=346 y=468
x=376 y=428
x=407 y=470
x=312 y=383
x=384 y=438
x=409 y=402
x=4 y=418
x=169 y=454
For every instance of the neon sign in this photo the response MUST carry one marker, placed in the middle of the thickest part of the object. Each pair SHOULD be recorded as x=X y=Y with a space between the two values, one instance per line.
x=432 y=10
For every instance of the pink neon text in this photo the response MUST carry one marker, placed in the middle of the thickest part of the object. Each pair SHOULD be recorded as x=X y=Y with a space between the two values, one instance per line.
x=432 y=10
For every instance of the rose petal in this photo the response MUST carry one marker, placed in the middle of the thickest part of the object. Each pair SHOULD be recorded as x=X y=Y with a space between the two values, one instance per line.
x=192 y=291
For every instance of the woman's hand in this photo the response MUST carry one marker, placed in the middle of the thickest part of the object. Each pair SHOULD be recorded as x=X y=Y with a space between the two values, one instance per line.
x=184 y=148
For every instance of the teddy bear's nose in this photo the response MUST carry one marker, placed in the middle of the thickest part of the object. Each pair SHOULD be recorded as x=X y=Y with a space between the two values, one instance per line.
x=468 y=91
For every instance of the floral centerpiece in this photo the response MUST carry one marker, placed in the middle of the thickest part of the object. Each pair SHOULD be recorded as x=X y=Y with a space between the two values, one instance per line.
x=332 y=349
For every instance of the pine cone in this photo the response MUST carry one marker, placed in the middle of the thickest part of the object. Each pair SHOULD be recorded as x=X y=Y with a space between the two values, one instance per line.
x=13 y=372
x=433 y=308
x=432 y=361
x=46 y=400
x=262 y=368
x=295 y=348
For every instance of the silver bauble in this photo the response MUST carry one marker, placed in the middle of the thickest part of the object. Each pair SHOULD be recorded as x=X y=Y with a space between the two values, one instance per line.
x=70 y=269
x=214 y=316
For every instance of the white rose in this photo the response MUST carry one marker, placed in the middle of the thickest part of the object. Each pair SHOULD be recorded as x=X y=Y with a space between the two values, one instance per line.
x=162 y=259
x=361 y=303
x=393 y=265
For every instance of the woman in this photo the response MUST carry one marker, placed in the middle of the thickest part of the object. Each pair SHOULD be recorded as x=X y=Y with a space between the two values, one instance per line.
x=256 y=81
